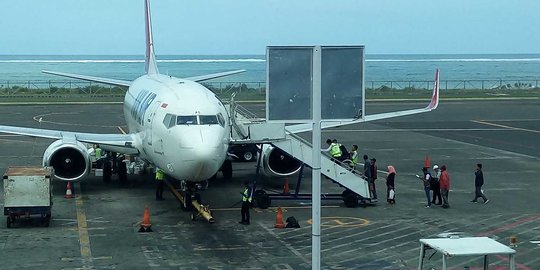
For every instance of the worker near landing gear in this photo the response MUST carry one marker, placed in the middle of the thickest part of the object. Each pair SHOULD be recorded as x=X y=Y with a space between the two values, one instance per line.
x=160 y=178
x=246 y=203
x=99 y=162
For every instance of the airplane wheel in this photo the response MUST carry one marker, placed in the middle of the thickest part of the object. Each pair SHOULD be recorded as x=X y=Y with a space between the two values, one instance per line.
x=9 y=221
x=122 y=172
x=248 y=156
x=227 y=169
x=193 y=217
x=107 y=172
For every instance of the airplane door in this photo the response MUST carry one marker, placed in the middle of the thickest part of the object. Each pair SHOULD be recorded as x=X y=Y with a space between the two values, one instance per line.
x=150 y=121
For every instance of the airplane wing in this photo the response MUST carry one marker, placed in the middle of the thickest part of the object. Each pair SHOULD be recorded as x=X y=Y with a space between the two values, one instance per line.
x=432 y=106
x=122 y=143
x=90 y=78
x=199 y=78
x=213 y=75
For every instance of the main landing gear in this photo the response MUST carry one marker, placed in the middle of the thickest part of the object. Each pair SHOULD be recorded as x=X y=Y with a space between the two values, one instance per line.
x=191 y=201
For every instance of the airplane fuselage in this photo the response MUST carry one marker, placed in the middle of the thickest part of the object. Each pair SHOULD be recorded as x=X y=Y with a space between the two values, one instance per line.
x=180 y=126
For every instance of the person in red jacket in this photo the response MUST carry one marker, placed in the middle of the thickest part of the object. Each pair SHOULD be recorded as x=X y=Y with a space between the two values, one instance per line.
x=444 y=182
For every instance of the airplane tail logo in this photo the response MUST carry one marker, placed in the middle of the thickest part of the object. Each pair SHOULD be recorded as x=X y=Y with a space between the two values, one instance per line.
x=150 y=66
x=435 y=97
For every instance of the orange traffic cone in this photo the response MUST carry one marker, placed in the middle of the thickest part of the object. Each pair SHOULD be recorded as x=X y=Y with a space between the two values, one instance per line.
x=426 y=162
x=286 y=187
x=279 y=219
x=145 y=223
x=69 y=194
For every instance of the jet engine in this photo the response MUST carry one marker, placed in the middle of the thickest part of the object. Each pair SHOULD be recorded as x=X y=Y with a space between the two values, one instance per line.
x=276 y=162
x=70 y=160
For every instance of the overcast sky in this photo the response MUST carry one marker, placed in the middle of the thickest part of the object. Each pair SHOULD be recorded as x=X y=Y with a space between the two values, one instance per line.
x=247 y=26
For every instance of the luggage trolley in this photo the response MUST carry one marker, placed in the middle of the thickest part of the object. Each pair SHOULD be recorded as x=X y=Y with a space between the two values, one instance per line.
x=27 y=191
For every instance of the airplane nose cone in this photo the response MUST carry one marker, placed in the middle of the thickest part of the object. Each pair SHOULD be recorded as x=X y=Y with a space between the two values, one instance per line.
x=207 y=161
x=205 y=153
x=208 y=139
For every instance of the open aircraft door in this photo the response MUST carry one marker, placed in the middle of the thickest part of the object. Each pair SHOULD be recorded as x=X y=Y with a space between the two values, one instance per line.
x=150 y=121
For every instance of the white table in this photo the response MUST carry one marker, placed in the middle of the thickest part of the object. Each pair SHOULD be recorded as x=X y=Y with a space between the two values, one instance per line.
x=466 y=246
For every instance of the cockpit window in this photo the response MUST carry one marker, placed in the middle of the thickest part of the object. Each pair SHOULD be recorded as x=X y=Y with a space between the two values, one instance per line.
x=208 y=120
x=221 y=120
x=169 y=120
x=186 y=120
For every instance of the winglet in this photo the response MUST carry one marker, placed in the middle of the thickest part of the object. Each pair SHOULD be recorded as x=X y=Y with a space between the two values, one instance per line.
x=435 y=97
x=150 y=66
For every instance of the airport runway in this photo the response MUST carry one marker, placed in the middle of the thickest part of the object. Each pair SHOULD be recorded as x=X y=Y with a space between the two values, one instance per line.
x=98 y=229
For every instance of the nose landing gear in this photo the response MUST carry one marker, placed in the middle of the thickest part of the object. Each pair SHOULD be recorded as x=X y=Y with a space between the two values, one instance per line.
x=191 y=200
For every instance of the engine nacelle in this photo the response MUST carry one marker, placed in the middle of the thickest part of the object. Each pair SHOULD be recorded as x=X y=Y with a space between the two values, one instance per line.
x=275 y=162
x=70 y=160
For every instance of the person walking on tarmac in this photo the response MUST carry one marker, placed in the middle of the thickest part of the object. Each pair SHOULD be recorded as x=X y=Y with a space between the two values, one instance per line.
x=444 y=181
x=160 y=178
x=246 y=203
x=390 y=185
x=373 y=169
x=436 y=186
x=333 y=149
x=427 y=187
x=478 y=183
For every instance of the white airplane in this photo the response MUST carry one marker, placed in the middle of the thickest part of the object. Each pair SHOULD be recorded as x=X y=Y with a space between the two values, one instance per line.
x=175 y=124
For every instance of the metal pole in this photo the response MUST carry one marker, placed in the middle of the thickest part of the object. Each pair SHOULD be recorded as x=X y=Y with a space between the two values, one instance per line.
x=486 y=262
x=316 y=156
x=421 y=258
x=444 y=262
x=512 y=261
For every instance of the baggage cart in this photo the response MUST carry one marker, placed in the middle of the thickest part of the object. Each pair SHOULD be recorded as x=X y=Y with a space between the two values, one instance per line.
x=27 y=191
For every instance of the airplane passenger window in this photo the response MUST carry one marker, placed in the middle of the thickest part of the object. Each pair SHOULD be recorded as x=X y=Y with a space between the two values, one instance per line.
x=186 y=120
x=221 y=120
x=208 y=120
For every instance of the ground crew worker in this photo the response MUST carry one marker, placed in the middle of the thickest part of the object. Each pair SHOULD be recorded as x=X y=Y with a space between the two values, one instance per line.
x=160 y=178
x=246 y=203
x=354 y=156
x=333 y=149
x=97 y=152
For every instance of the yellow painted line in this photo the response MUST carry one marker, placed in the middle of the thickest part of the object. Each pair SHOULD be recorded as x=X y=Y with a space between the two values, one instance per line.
x=338 y=222
x=84 y=239
x=121 y=130
x=504 y=126
x=342 y=222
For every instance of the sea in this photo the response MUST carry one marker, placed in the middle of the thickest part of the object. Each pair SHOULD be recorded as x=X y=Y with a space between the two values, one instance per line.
x=409 y=67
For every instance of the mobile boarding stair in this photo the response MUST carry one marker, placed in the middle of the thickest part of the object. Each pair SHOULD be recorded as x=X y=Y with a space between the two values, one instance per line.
x=249 y=129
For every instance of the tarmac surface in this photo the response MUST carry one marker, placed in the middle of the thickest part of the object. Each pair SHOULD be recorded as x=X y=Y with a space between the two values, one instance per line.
x=98 y=228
